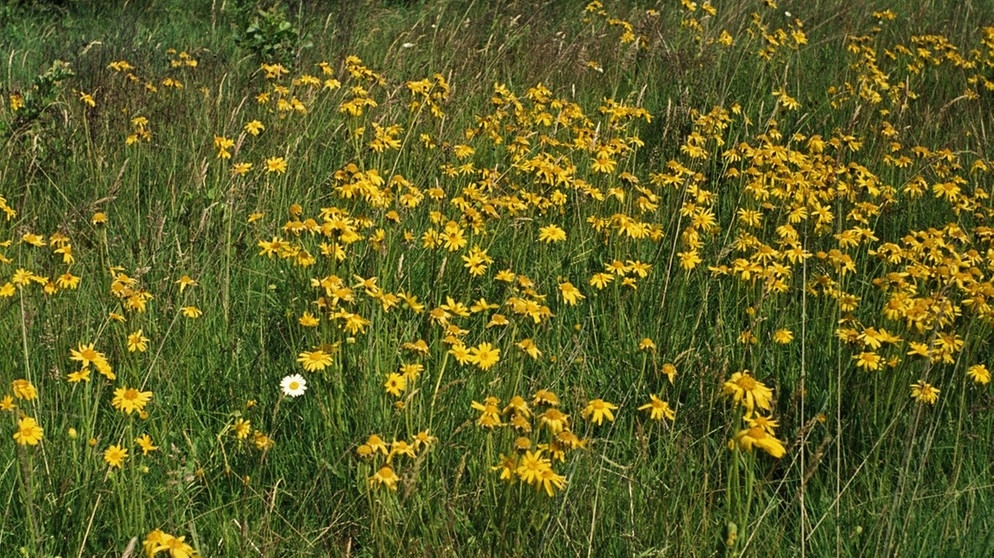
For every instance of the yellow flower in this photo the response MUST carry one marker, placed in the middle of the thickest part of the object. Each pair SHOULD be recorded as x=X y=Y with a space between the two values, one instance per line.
x=423 y=439
x=528 y=346
x=506 y=467
x=275 y=164
x=261 y=441
x=601 y=280
x=477 y=260
x=783 y=336
x=530 y=467
x=33 y=239
x=373 y=445
x=174 y=546
x=396 y=384
x=484 y=356
x=137 y=342
x=115 y=455
x=551 y=233
x=489 y=412
x=7 y=403
x=68 y=281
x=241 y=169
x=184 y=282
x=979 y=374
x=241 y=428
x=924 y=392
x=460 y=352
x=669 y=370
x=571 y=295
x=192 y=312
x=555 y=420
x=647 y=344
x=689 y=259
x=385 y=477
x=21 y=277
x=537 y=470
x=598 y=409
x=545 y=397
x=23 y=389
x=29 y=433
x=254 y=127
x=550 y=481
x=748 y=391
x=82 y=375
x=603 y=164
x=868 y=360
x=315 y=360
x=128 y=400
x=411 y=371
x=419 y=347
x=308 y=320
x=400 y=447
x=757 y=436
x=766 y=423
x=145 y=443
x=105 y=369
x=153 y=540
x=658 y=409
x=497 y=320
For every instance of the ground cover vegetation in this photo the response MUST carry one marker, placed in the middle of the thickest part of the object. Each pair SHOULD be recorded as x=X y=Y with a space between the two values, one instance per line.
x=496 y=278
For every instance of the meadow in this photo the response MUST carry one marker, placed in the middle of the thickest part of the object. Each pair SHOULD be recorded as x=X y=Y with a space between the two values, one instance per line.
x=510 y=278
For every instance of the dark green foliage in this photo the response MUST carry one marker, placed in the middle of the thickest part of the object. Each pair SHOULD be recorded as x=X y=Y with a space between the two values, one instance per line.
x=267 y=32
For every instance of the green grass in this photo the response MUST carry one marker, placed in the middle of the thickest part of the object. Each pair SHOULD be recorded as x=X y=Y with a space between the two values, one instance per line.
x=867 y=469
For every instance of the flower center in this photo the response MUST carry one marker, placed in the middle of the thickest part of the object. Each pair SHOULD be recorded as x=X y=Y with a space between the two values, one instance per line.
x=747 y=383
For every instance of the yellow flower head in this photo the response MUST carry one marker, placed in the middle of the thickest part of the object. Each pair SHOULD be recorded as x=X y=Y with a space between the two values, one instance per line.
x=115 y=455
x=757 y=436
x=185 y=281
x=545 y=397
x=29 y=433
x=396 y=384
x=748 y=391
x=241 y=428
x=7 y=403
x=669 y=370
x=484 y=356
x=385 y=477
x=658 y=409
x=276 y=165
x=128 y=400
x=191 y=312
x=555 y=420
x=23 y=389
x=597 y=410
x=979 y=374
x=924 y=392
x=315 y=360
x=145 y=443
x=137 y=342
x=550 y=234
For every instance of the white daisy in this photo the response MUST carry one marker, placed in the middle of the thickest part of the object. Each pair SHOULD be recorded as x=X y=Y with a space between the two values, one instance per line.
x=294 y=385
